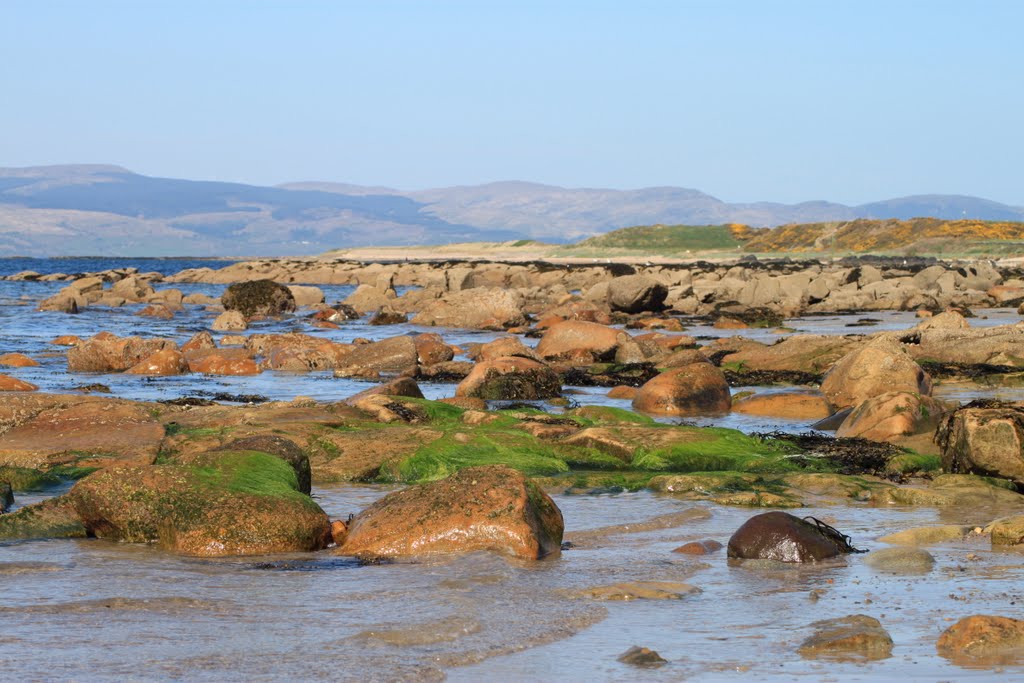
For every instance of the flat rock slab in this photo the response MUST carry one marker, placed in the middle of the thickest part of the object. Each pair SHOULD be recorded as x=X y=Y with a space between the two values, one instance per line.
x=91 y=433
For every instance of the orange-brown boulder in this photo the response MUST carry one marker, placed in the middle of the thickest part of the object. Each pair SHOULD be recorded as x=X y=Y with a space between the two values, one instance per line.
x=892 y=416
x=66 y=340
x=156 y=311
x=983 y=640
x=569 y=338
x=492 y=508
x=403 y=386
x=622 y=391
x=502 y=348
x=200 y=341
x=106 y=352
x=8 y=383
x=877 y=368
x=695 y=389
x=161 y=364
x=223 y=362
x=431 y=349
x=793 y=405
x=510 y=378
x=699 y=547
x=17 y=360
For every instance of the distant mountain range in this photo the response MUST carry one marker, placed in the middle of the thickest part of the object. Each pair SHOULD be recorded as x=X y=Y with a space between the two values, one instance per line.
x=108 y=210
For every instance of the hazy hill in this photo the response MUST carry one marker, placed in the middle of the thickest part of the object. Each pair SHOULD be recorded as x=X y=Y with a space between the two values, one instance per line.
x=94 y=209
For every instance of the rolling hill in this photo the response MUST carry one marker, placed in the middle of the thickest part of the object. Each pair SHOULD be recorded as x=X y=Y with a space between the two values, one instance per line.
x=109 y=210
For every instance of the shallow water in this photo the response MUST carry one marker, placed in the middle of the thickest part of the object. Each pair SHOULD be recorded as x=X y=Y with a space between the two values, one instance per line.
x=95 y=610
x=105 y=611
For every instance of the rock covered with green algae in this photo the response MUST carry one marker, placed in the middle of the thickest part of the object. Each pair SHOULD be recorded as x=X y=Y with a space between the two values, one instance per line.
x=218 y=503
x=492 y=508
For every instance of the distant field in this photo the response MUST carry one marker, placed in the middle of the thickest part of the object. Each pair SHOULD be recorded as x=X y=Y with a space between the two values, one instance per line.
x=665 y=238
x=917 y=237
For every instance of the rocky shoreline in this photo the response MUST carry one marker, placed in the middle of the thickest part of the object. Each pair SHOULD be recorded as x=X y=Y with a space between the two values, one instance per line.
x=483 y=467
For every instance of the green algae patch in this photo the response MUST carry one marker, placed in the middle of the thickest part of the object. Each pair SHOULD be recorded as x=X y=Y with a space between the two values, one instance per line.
x=913 y=463
x=718 y=449
x=53 y=518
x=596 y=481
x=455 y=451
x=24 y=479
x=609 y=414
x=249 y=472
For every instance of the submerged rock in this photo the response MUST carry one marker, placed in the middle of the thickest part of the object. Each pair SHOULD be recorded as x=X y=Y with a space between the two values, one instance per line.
x=641 y=656
x=491 y=508
x=795 y=405
x=640 y=590
x=982 y=640
x=783 y=537
x=854 y=637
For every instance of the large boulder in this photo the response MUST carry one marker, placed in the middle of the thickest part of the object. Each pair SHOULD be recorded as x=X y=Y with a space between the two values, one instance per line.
x=106 y=352
x=636 y=294
x=511 y=378
x=694 y=389
x=877 y=368
x=985 y=440
x=258 y=298
x=575 y=339
x=491 y=508
x=477 y=308
x=783 y=537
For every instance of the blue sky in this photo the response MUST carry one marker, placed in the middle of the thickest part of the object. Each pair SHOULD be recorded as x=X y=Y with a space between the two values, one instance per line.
x=781 y=101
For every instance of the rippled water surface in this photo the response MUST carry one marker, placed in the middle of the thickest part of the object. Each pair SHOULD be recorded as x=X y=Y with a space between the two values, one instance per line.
x=95 y=610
